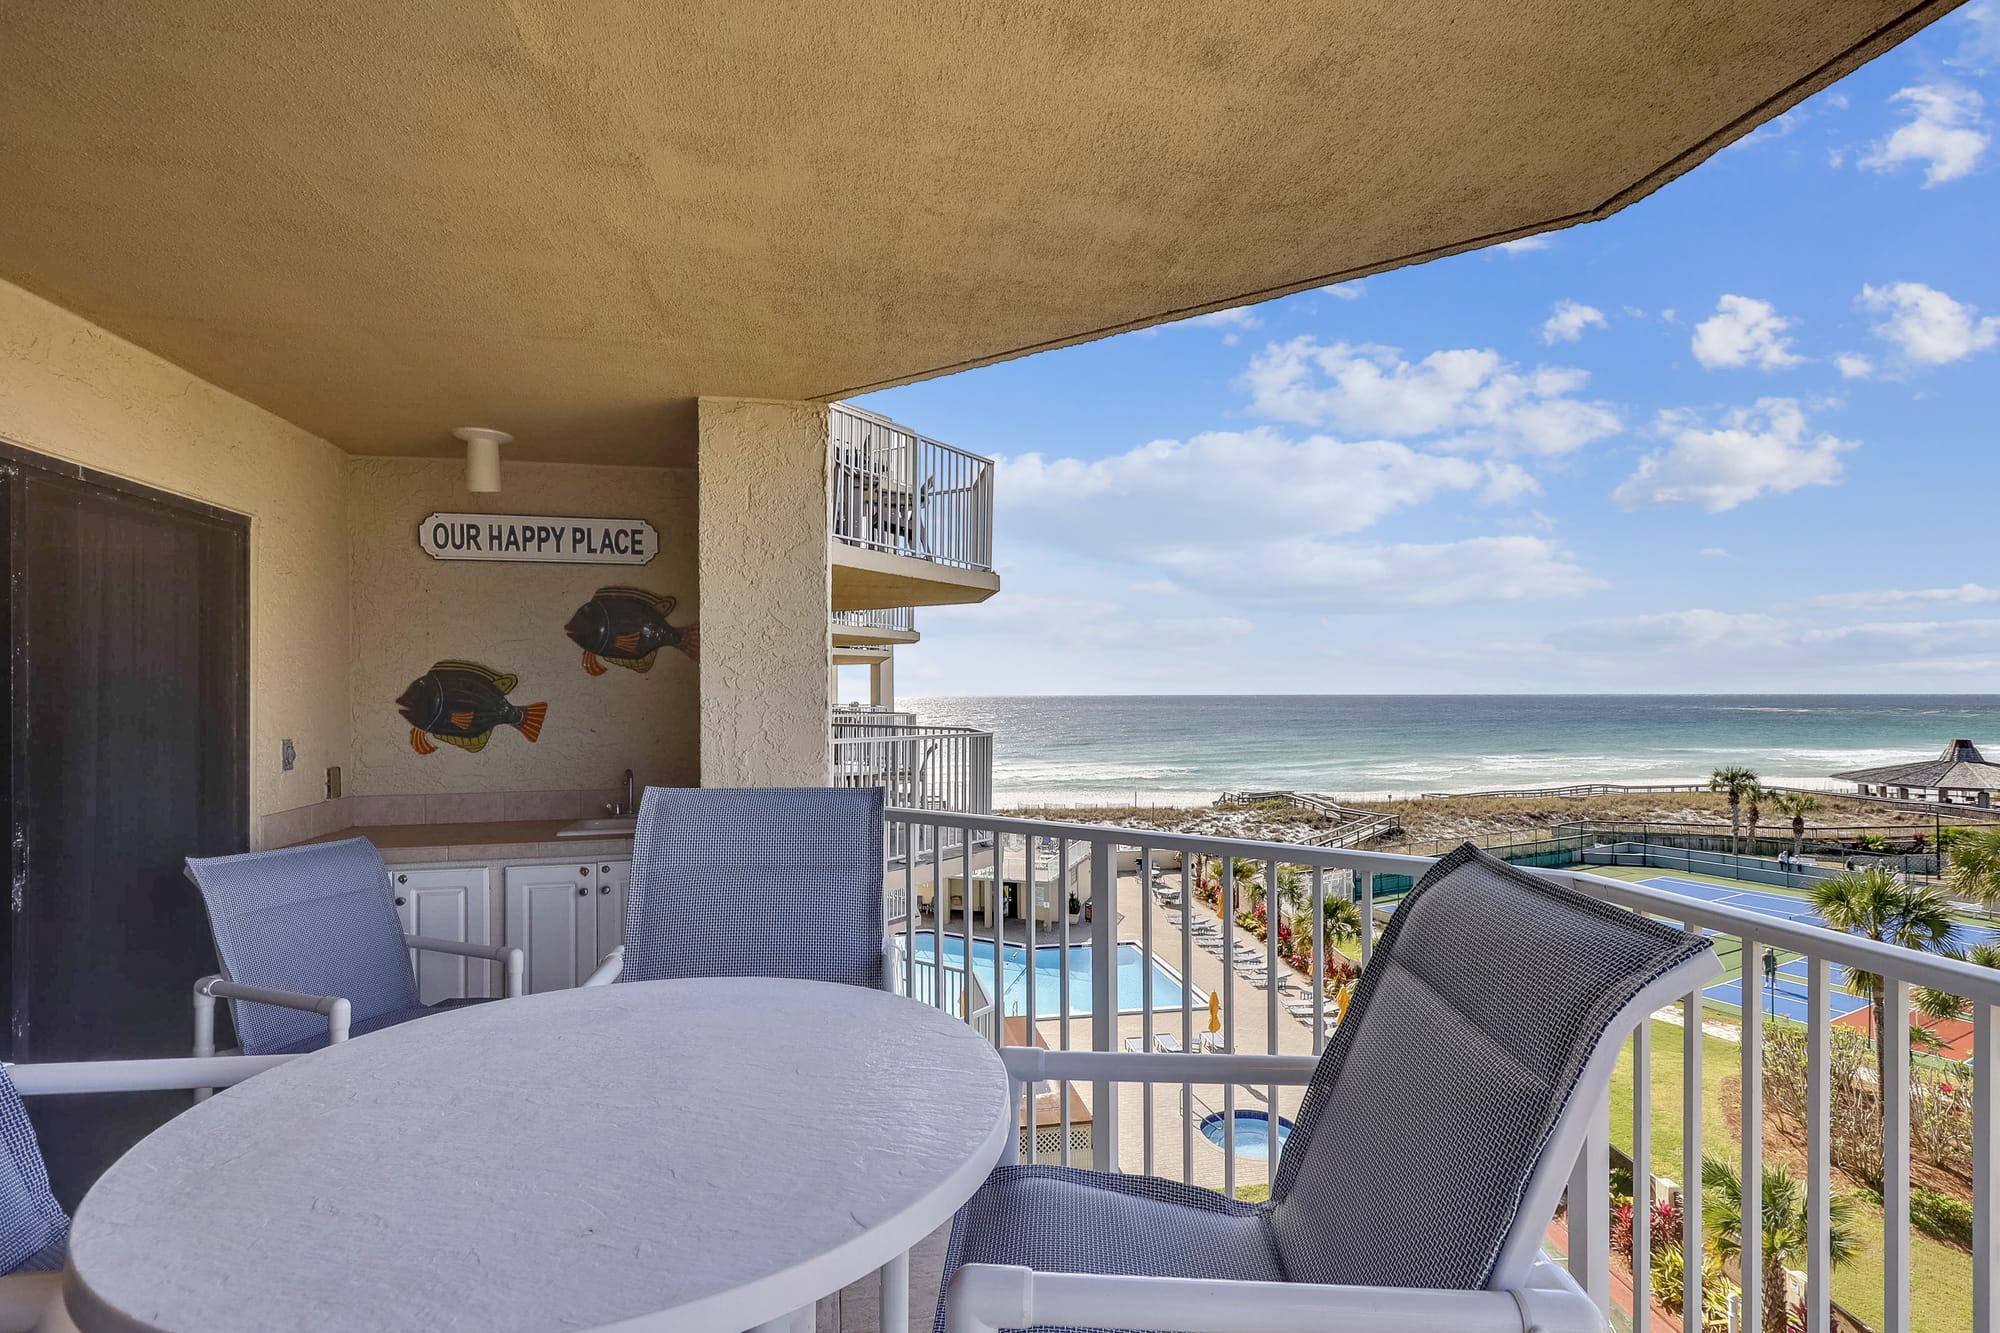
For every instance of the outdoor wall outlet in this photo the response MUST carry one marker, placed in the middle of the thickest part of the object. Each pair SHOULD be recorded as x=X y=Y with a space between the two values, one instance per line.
x=333 y=783
x=288 y=752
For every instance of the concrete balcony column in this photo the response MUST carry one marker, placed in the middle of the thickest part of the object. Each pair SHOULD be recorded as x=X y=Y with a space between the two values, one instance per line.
x=765 y=575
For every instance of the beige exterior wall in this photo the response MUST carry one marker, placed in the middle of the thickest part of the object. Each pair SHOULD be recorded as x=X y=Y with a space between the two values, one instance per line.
x=410 y=611
x=766 y=579
x=72 y=391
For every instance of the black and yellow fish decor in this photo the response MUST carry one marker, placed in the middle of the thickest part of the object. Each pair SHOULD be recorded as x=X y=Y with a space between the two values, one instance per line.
x=460 y=703
x=627 y=627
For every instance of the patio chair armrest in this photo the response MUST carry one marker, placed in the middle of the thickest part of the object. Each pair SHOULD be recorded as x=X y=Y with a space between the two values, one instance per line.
x=172 y=1075
x=515 y=960
x=339 y=1012
x=1032 y=1064
x=984 y=1298
x=608 y=968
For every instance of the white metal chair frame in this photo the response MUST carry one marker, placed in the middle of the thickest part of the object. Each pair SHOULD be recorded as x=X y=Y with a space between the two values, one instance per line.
x=1527 y=1293
x=32 y=1301
x=339 y=1013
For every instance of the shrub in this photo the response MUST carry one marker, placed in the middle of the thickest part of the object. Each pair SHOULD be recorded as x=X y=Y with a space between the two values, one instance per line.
x=1940 y=1215
x=1670 y=1285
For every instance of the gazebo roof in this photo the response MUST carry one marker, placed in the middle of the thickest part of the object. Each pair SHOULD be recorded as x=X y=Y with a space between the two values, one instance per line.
x=1961 y=767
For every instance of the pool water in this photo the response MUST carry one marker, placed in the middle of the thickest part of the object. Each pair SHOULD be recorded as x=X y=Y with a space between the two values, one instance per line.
x=1253 y=1132
x=1014 y=965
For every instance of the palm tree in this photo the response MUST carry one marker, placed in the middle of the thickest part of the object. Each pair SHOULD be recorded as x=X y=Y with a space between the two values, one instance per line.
x=1341 y=923
x=1975 y=865
x=1736 y=783
x=1936 y=1004
x=1753 y=800
x=1797 y=804
x=1881 y=906
x=1782 y=1222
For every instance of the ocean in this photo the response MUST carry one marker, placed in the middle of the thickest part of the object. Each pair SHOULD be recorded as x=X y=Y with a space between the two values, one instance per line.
x=1184 y=749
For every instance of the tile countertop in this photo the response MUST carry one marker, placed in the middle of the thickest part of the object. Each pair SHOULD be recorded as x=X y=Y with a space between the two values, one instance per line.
x=527 y=840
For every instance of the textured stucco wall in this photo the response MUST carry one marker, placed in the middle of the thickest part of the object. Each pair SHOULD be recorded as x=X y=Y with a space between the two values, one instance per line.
x=765 y=579
x=410 y=611
x=72 y=391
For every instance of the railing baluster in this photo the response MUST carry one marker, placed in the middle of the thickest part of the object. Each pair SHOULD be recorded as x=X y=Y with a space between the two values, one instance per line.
x=1819 y=1149
x=1062 y=983
x=1146 y=990
x=1227 y=909
x=1104 y=1095
x=996 y=907
x=1895 y=1040
x=1273 y=915
x=1367 y=885
x=1751 y=1232
x=1691 y=1090
x=1590 y=1209
x=1187 y=1011
x=1985 y=1168
x=1642 y=1175
x=1319 y=960
x=1030 y=849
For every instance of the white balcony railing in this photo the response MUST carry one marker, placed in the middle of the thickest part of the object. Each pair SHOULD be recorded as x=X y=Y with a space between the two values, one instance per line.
x=1142 y=892
x=892 y=619
x=903 y=494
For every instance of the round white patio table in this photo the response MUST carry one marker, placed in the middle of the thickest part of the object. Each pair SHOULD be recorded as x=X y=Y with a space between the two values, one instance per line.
x=704 y=1155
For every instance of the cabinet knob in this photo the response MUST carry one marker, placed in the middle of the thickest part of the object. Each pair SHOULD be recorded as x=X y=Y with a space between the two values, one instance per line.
x=583 y=892
x=604 y=888
x=583 y=870
x=402 y=902
x=604 y=870
x=402 y=879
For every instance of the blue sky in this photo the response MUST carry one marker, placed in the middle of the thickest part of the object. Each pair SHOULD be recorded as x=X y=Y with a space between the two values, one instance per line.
x=1740 y=437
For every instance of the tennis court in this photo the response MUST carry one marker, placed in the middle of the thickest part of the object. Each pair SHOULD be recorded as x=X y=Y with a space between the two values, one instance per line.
x=1785 y=996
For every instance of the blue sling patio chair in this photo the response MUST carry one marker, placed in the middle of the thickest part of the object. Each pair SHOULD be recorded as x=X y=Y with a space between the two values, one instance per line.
x=312 y=950
x=756 y=882
x=34 y=1230
x=761 y=882
x=1482 y=1034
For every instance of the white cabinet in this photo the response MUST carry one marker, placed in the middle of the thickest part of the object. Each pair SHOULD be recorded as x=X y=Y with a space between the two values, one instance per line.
x=565 y=917
x=451 y=903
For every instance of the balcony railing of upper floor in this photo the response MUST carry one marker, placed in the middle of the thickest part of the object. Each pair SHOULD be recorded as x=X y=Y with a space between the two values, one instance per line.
x=901 y=493
x=1806 y=1079
x=892 y=619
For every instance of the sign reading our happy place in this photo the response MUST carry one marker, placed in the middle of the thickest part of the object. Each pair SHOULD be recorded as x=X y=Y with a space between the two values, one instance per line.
x=539 y=539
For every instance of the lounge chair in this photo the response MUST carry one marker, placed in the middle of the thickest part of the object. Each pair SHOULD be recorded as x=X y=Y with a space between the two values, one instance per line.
x=312 y=950
x=1431 y=1039
x=1166 y=1043
x=34 y=1229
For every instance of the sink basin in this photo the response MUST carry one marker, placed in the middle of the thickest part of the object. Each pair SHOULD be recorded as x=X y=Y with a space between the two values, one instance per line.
x=598 y=828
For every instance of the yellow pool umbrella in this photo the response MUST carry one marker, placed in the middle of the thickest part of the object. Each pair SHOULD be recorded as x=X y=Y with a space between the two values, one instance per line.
x=1215 y=1011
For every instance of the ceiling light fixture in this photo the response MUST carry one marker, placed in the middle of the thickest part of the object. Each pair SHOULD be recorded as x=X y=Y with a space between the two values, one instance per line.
x=482 y=457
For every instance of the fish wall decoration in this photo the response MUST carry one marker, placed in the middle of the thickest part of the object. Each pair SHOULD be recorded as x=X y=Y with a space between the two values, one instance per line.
x=627 y=627
x=460 y=703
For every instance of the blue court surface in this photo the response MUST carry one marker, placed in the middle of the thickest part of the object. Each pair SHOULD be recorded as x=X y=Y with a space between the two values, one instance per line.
x=1786 y=997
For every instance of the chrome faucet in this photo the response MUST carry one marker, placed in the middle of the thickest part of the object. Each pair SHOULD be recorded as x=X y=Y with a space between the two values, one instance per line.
x=628 y=808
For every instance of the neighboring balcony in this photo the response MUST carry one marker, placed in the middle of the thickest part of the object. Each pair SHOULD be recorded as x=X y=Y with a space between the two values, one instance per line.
x=873 y=628
x=912 y=517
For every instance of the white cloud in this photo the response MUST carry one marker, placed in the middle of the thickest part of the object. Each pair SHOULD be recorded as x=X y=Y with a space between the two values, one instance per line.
x=1527 y=244
x=1348 y=291
x=1506 y=483
x=1755 y=641
x=1715 y=552
x=1854 y=366
x=1463 y=399
x=1230 y=321
x=1699 y=628
x=1946 y=133
x=1238 y=482
x=1349 y=575
x=1927 y=326
x=1744 y=331
x=1568 y=321
x=1881 y=599
x=1760 y=450
x=1979 y=37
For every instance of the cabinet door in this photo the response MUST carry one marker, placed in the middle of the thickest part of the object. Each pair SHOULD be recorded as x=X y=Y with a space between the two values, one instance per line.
x=612 y=878
x=552 y=919
x=448 y=903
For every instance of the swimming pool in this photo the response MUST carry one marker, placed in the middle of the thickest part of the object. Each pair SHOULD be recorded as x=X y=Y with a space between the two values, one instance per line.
x=1253 y=1132
x=1048 y=975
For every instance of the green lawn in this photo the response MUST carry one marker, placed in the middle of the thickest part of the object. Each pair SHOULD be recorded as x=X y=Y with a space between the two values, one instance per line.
x=1940 y=1276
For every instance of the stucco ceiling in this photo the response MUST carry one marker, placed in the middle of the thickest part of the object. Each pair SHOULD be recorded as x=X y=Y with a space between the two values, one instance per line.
x=384 y=218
